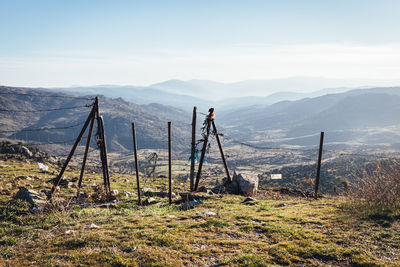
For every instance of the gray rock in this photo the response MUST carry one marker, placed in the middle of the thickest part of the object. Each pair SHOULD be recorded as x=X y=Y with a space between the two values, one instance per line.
x=127 y=193
x=202 y=189
x=280 y=205
x=206 y=213
x=246 y=185
x=190 y=204
x=30 y=196
x=26 y=152
x=150 y=200
x=219 y=189
x=248 y=199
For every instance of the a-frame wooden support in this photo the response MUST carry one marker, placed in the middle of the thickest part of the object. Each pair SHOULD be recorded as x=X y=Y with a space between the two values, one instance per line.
x=101 y=142
x=210 y=122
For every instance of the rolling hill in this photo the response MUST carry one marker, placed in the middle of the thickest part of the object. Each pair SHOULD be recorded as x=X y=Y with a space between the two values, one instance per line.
x=366 y=116
x=151 y=119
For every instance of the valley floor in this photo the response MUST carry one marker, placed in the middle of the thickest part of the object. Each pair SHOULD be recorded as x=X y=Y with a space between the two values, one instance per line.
x=277 y=230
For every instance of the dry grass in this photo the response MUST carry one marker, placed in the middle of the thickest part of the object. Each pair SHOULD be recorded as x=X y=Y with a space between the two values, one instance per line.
x=300 y=232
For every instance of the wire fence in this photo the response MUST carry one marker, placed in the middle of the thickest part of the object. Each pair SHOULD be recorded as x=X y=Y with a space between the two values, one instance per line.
x=226 y=139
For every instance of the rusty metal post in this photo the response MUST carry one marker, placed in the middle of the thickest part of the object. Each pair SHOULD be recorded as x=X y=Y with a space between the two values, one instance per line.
x=321 y=143
x=89 y=138
x=203 y=150
x=193 y=150
x=169 y=164
x=136 y=163
x=71 y=153
x=221 y=151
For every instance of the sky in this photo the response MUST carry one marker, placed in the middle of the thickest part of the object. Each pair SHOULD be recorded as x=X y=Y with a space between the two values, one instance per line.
x=88 y=42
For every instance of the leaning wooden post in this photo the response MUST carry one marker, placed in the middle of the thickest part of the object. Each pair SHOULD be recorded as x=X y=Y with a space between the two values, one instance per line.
x=136 y=162
x=321 y=143
x=221 y=151
x=89 y=138
x=203 y=150
x=169 y=164
x=78 y=140
x=193 y=150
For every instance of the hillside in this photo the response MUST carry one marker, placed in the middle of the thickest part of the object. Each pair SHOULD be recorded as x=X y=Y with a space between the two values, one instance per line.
x=367 y=116
x=151 y=119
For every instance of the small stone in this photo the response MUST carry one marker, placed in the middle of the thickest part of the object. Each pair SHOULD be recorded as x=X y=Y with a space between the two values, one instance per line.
x=40 y=208
x=115 y=192
x=149 y=201
x=94 y=226
x=190 y=204
x=280 y=205
x=248 y=199
x=202 y=189
x=206 y=213
x=69 y=232
x=30 y=196
x=127 y=194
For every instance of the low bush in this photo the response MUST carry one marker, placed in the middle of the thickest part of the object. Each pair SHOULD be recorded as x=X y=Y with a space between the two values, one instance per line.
x=377 y=190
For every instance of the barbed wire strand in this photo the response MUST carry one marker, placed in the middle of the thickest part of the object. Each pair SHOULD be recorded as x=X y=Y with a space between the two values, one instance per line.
x=44 y=110
x=44 y=128
x=42 y=95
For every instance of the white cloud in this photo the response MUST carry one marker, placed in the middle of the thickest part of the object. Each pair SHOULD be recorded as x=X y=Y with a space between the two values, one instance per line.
x=239 y=62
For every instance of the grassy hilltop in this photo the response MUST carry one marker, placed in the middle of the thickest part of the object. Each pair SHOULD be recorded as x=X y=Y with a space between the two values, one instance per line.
x=273 y=230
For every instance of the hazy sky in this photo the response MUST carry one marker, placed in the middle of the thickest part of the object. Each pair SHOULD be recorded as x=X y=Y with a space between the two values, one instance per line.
x=61 y=43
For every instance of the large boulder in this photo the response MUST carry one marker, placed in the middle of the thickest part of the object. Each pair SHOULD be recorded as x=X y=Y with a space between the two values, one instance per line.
x=30 y=196
x=245 y=184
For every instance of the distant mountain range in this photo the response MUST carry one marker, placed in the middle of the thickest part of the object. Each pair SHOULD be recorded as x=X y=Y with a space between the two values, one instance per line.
x=361 y=116
x=350 y=118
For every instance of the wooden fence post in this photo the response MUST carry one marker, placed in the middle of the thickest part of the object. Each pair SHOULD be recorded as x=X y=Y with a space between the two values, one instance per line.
x=169 y=164
x=104 y=145
x=221 y=151
x=193 y=150
x=203 y=150
x=321 y=143
x=136 y=163
x=89 y=138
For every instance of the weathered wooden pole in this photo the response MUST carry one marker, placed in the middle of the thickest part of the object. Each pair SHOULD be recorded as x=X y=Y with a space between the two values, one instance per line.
x=193 y=150
x=203 y=150
x=136 y=163
x=321 y=143
x=89 y=138
x=101 y=147
x=101 y=142
x=104 y=143
x=221 y=151
x=169 y=164
x=71 y=153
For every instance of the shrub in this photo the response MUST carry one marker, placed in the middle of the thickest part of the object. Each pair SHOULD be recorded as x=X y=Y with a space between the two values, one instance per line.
x=379 y=188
